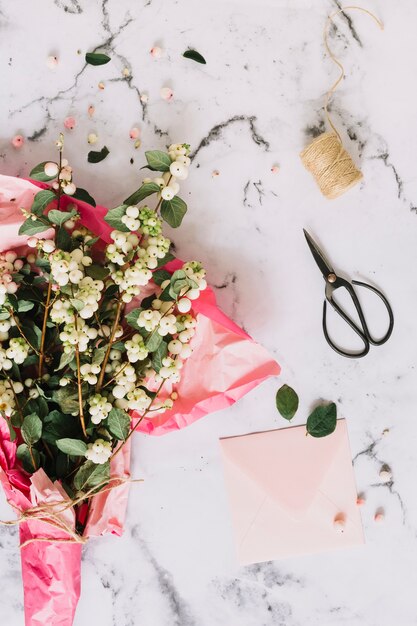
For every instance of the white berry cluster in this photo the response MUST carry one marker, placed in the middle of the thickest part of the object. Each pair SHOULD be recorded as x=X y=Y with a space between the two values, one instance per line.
x=68 y=267
x=99 y=452
x=9 y=264
x=18 y=350
x=64 y=176
x=135 y=349
x=77 y=334
x=99 y=408
x=88 y=291
x=62 y=312
x=89 y=372
x=8 y=390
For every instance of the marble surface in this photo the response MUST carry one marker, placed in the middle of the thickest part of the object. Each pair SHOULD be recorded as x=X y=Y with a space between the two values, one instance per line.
x=256 y=103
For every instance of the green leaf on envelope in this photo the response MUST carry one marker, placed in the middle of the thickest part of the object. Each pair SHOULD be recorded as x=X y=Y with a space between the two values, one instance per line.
x=287 y=402
x=322 y=421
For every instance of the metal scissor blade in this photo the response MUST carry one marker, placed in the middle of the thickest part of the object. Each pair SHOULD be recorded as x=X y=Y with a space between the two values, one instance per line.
x=318 y=255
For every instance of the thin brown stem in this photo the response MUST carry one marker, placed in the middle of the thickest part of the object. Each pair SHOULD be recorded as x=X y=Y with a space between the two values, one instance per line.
x=19 y=328
x=120 y=305
x=43 y=336
x=79 y=386
x=32 y=458
x=160 y=199
x=139 y=420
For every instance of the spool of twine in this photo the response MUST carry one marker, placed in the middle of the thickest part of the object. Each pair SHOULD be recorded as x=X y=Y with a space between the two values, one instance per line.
x=330 y=164
x=325 y=157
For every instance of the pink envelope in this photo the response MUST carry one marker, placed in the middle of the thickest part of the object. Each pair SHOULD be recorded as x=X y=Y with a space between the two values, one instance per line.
x=285 y=491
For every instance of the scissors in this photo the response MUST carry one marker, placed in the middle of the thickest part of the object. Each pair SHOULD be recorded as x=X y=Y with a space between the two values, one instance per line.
x=333 y=282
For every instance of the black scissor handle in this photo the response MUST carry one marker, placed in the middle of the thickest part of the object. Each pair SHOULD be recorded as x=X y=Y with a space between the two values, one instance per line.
x=378 y=342
x=363 y=331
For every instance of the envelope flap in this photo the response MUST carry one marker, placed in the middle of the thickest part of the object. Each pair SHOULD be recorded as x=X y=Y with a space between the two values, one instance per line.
x=286 y=464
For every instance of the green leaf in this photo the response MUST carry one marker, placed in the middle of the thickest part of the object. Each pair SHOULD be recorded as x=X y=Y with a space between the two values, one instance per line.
x=160 y=276
x=158 y=161
x=96 y=58
x=113 y=217
x=73 y=447
x=118 y=423
x=84 y=196
x=322 y=420
x=24 y=305
x=173 y=211
x=194 y=56
x=98 y=355
x=153 y=342
x=65 y=360
x=287 y=402
x=177 y=286
x=132 y=318
x=95 y=156
x=31 y=429
x=63 y=239
x=90 y=475
x=67 y=399
x=60 y=217
x=32 y=226
x=98 y=272
x=147 y=189
x=42 y=200
x=38 y=172
x=24 y=454
x=159 y=354
x=59 y=426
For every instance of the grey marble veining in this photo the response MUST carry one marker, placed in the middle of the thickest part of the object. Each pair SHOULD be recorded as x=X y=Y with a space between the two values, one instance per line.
x=256 y=104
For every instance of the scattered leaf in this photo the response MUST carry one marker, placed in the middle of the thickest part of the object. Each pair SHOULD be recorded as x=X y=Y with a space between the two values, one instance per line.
x=194 y=56
x=287 y=402
x=84 y=196
x=322 y=420
x=95 y=156
x=96 y=58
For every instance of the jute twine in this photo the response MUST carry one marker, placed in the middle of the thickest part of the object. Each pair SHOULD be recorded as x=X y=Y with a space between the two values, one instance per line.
x=325 y=157
x=50 y=513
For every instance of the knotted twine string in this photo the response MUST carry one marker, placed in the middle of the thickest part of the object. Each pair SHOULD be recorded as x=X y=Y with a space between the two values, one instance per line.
x=50 y=513
x=325 y=157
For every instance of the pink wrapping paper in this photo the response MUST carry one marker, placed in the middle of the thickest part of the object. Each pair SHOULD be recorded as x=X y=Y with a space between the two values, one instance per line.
x=225 y=364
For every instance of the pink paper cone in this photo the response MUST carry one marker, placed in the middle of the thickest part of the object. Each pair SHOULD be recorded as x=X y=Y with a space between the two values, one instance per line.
x=51 y=574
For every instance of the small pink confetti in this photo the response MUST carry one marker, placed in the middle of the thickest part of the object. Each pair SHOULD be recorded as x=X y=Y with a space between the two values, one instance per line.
x=167 y=93
x=70 y=123
x=91 y=110
x=379 y=516
x=275 y=169
x=360 y=500
x=156 y=52
x=52 y=62
x=17 y=141
x=215 y=173
x=144 y=98
x=101 y=85
x=134 y=133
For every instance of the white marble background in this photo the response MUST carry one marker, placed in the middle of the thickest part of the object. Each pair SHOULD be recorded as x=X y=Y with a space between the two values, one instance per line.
x=255 y=104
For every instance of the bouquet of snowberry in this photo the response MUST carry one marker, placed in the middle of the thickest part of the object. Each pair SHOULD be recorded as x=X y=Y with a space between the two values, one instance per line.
x=91 y=332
